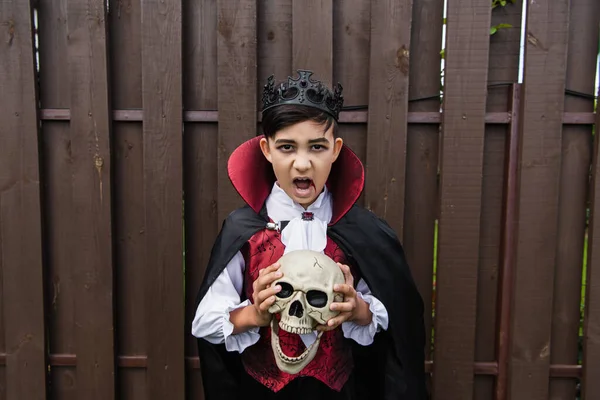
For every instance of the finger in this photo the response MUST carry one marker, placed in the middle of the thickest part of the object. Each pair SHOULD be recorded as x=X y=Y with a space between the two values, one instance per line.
x=264 y=306
x=265 y=280
x=267 y=293
x=270 y=268
x=347 y=306
x=334 y=322
x=345 y=289
x=325 y=328
x=348 y=277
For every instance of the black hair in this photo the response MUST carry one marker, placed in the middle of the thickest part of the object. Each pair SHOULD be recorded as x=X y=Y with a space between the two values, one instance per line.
x=280 y=117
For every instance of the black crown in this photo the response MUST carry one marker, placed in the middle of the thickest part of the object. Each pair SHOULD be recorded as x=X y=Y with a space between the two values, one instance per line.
x=305 y=92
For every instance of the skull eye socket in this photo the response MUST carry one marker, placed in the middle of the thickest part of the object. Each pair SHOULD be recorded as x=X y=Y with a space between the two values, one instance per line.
x=286 y=290
x=316 y=298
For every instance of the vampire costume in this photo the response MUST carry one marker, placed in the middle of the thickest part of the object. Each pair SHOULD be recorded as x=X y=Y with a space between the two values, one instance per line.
x=392 y=367
x=383 y=360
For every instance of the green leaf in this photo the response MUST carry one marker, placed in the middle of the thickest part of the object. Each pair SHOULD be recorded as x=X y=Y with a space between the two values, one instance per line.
x=496 y=28
x=443 y=54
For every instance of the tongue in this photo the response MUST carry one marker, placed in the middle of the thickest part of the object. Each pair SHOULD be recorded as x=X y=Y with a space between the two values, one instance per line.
x=304 y=184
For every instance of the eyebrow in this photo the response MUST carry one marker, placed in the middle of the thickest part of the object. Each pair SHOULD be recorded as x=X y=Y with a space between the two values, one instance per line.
x=311 y=141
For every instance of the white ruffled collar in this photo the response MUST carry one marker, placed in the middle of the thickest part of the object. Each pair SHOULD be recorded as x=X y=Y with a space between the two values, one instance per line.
x=300 y=234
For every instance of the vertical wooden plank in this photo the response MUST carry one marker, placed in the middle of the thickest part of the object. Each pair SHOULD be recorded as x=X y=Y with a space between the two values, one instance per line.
x=274 y=37
x=126 y=55
x=54 y=75
x=60 y=290
x=503 y=67
x=461 y=185
x=507 y=264
x=130 y=266
x=2 y=342
x=200 y=161
x=388 y=104
x=128 y=195
x=200 y=164
x=351 y=52
x=2 y=378
x=591 y=332
x=422 y=146
x=236 y=55
x=58 y=199
x=539 y=177
x=575 y=170
x=489 y=256
x=312 y=43
x=163 y=197
x=91 y=172
x=21 y=263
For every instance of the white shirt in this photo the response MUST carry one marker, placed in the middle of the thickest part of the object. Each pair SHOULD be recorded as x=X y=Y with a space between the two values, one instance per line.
x=211 y=321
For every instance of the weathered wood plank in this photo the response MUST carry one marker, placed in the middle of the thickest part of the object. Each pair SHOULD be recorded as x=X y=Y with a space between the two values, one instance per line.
x=200 y=163
x=591 y=331
x=539 y=180
x=21 y=263
x=92 y=268
x=312 y=33
x=503 y=67
x=574 y=181
x=462 y=151
x=388 y=106
x=236 y=55
x=58 y=200
x=351 y=50
x=274 y=37
x=422 y=144
x=163 y=196
x=128 y=194
x=351 y=53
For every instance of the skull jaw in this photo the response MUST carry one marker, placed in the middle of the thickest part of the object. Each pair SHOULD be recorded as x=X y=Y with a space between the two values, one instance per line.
x=292 y=365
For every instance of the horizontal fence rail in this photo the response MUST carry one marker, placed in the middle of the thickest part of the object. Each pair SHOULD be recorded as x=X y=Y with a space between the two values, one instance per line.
x=346 y=117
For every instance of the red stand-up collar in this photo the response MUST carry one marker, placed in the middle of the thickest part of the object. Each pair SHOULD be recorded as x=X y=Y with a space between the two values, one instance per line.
x=252 y=176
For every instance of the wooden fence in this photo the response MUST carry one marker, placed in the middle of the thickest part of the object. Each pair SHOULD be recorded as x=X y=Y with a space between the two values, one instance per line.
x=135 y=106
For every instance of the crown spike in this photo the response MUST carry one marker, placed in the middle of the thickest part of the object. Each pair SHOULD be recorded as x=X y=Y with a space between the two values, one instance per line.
x=303 y=90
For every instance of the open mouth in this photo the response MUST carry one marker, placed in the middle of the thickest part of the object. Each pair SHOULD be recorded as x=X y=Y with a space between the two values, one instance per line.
x=289 y=364
x=303 y=186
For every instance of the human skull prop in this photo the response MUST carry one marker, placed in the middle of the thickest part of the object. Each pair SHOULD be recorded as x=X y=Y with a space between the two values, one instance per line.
x=303 y=302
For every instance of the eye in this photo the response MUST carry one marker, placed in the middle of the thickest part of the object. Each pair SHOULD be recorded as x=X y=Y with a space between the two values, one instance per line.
x=286 y=148
x=286 y=290
x=316 y=298
x=319 y=147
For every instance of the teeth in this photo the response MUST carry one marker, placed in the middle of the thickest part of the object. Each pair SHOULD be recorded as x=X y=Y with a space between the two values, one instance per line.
x=288 y=359
x=296 y=330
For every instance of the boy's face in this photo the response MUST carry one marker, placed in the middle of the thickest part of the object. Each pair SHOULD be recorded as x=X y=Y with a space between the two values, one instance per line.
x=302 y=155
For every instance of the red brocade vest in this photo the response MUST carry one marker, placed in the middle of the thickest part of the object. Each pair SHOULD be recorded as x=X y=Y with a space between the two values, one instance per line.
x=333 y=362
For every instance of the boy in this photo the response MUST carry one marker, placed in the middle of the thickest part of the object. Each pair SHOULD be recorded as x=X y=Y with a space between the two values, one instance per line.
x=300 y=184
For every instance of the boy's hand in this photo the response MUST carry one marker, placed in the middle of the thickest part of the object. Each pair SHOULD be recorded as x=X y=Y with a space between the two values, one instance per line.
x=263 y=294
x=353 y=308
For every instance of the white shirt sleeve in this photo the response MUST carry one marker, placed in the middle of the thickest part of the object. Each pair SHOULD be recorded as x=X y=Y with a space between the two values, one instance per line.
x=211 y=321
x=365 y=334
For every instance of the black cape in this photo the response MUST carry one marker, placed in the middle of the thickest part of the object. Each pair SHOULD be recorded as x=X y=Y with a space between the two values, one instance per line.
x=393 y=366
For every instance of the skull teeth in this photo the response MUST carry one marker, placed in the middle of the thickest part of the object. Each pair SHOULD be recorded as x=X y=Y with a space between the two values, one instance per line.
x=304 y=358
x=293 y=329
